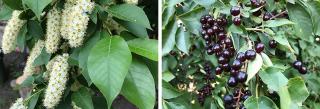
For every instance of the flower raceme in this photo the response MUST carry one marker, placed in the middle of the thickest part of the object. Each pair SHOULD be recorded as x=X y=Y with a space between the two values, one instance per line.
x=75 y=20
x=18 y=104
x=53 y=31
x=35 y=52
x=11 y=32
x=134 y=2
x=57 y=81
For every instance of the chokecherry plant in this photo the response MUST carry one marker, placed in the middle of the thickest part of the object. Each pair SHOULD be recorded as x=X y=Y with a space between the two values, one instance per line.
x=246 y=54
x=84 y=53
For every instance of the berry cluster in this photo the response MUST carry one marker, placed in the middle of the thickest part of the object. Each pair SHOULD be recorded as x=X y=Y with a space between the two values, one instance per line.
x=300 y=67
x=231 y=101
x=206 y=90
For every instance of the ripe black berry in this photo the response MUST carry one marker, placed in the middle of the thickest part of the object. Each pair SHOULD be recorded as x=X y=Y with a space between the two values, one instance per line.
x=224 y=22
x=241 y=56
x=205 y=26
x=210 y=21
x=234 y=72
x=222 y=35
x=235 y=10
x=232 y=82
x=206 y=37
x=236 y=64
x=244 y=98
x=236 y=21
x=248 y=92
x=250 y=54
x=228 y=42
x=210 y=31
x=218 y=70
x=303 y=70
x=226 y=53
x=273 y=44
x=259 y=47
x=203 y=32
x=208 y=16
x=215 y=28
x=257 y=13
x=266 y=16
x=223 y=60
x=241 y=77
x=228 y=99
x=297 y=64
x=210 y=51
x=217 y=48
x=226 y=67
x=203 y=20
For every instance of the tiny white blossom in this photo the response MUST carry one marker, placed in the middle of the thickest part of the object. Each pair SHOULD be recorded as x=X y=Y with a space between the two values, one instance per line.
x=53 y=31
x=18 y=104
x=11 y=32
x=57 y=81
x=35 y=52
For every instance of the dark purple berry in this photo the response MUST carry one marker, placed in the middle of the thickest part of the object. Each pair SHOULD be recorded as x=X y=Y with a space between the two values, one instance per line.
x=241 y=77
x=210 y=31
x=259 y=47
x=234 y=72
x=266 y=16
x=223 y=60
x=206 y=37
x=232 y=82
x=257 y=13
x=237 y=21
x=244 y=98
x=297 y=64
x=215 y=28
x=235 y=10
x=224 y=22
x=205 y=26
x=210 y=21
x=237 y=64
x=226 y=67
x=208 y=16
x=250 y=54
x=203 y=32
x=203 y=20
x=218 y=70
x=222 y=35
x=303 y=70
x=226 y=53
x=217 y=48
x=228 y=99
x=210 y=52
x=273 y=44
x=241 y=56
x=248 y=92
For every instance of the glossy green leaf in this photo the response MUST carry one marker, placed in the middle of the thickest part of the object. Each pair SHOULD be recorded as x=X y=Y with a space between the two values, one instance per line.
x=108 y=65
x=168 y=91
x=130 y=13
x=135 y=29
x=273 y=78
x=183 y=40
x=144 y=47
x=315 y=13
x=278 y=22
x=33 y=100
x=82 y=98
x=5 y=12
x=298 y=90
x=168 y=37
x=261 y=102
x=139 y=86
x=205 y=3
x=42 y=59
x=254 y=67
x=21 y=39
x=235 y=29
x=285 y=100
x=14 y=4
x=28 y=82
x=37 y=6
x=191 y=19
x=34 y=29
x=266 y=60
x=167 y=76
x=281 y=39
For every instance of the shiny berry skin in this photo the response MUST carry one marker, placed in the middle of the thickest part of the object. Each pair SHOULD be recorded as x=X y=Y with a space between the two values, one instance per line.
x=234 y=72
x=241 y=56
x=242 y=106
x=222 y=35
x=248 y=92
x=255 y=3
x=257 y=13
x=205 y=26
x=241 y=77
x=215 y=28
x=226 y=67
x=259 y=47
x=266 y=16
x=206 y=37
x=207 y=16
x=228 y=42
x=232 y=82
x=218 y=70
x=210 y=32
x=219 y=21
x=297 y=64
x=273 y=44
x=203 y=32
x=250 y=54
x=235 y=10
x=203 y=20
x=244 y=98
x=237 y=21
x=217 y=48
x=237 y=64
x=210 y=21
x=226 y=53
x=303 y=70
x=210 y=52
x=228 y=99
x=222 y=60
x=224 y=22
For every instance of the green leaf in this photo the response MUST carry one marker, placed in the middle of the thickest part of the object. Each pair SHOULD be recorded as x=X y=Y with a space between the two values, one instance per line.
x=21 y=39
x=254 y=67
x=136 y=29
x=167 y=14
x=235 y=29
x=108 y=65
x=82 y=98
x=173 y=2
x=14 y=4
x=139 y=86
x=298 y=90
x=37 y=6
x=34 y=99
x=261 y=102
x=5 y=12
x=167 y=76
x=266 y=60
x=168 y=37
x=278 y=22
x=205 y=3
x=283 y=41
x=285 y=100
x=130 y=13
x=35 y=29
x=315 y=13
x=145 y=47
x=169 y=91
x=273 y=78
x=183 y=40
x=28 y=82
x=42 y=59
x=191 y=19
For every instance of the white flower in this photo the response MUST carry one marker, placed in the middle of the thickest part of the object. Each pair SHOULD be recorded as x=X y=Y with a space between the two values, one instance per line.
x=74 y=106
x=57 y=81
x=35 y=52
x=11 y=32
x=53 y=31
x=75 y=20
x=134 y=2
x=18 y=104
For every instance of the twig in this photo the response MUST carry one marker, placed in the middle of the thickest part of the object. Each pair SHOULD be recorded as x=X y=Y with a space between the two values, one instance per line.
x=279 y=14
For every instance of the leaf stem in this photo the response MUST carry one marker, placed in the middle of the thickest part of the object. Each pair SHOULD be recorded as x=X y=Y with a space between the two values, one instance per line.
x=279 y=14
x=254 y=29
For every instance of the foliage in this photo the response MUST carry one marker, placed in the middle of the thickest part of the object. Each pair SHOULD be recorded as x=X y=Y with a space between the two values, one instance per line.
x=274 y=83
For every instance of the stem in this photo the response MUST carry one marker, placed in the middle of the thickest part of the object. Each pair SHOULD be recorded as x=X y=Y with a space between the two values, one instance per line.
x=33 y=95
x=257 y=86
x=279 y=14
x=254 y=29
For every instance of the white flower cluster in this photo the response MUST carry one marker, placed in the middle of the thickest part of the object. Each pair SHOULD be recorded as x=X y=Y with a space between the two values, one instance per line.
x=134 y=2
x=57 y=81
x=35 y=52
x=75 y=20
x=11 y=32
x=74 y=106
x=53 y=31
x=18 y=104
